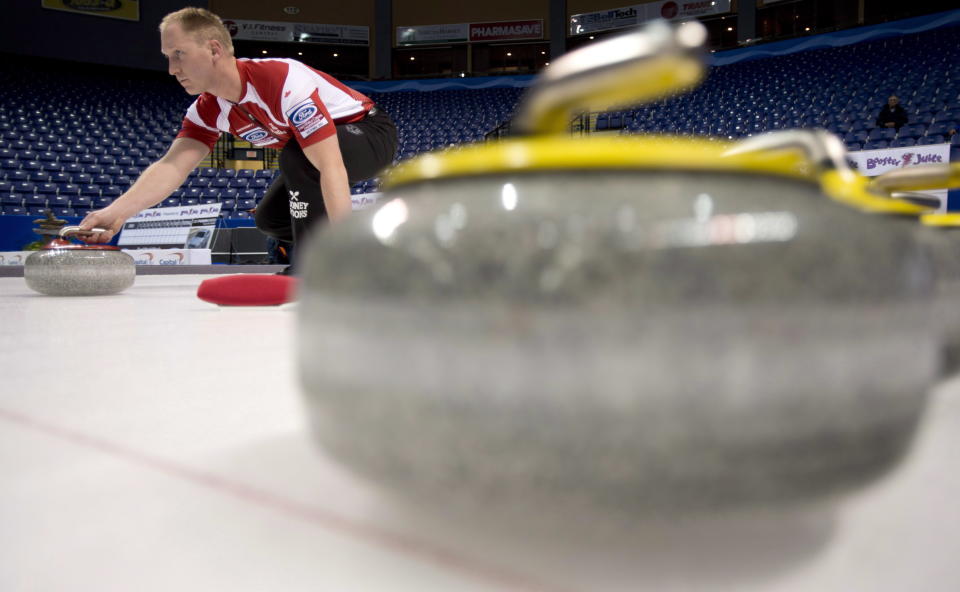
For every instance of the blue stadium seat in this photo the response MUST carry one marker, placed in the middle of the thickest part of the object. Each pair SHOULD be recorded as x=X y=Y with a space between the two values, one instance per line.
x=68 y=189
x=882 y=133
x=903 y=142
x=34 y=200
x=12 y=210
x=81 y=201
x=170 y=202
x=940 y=128
x=911 y=131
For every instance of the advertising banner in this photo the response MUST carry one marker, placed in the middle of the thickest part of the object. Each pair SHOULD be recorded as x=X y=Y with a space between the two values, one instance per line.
x=259 y=30
x=505 y=31
x=169 y=256
x=431 y=34
x=671 y=10
x=629 y=16
x=244 y=30
x=876 y=162
x=128 y=10
x=331 y=34
x=606 y=20
x=189 y=227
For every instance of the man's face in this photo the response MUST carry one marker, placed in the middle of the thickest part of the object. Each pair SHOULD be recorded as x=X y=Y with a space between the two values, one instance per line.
x=188 y=60
x=892 y=101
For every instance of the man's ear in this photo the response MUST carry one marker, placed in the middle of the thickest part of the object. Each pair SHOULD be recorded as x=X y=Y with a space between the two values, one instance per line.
x=216 y=49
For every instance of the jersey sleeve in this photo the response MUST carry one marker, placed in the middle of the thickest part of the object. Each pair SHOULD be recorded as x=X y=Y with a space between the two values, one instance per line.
x=195 y=127
x=308 y=118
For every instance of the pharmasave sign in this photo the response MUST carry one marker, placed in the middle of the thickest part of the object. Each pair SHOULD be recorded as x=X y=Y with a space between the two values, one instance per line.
x=128 y=10
x=627 y=16
x=469 y=32
x=504 y=31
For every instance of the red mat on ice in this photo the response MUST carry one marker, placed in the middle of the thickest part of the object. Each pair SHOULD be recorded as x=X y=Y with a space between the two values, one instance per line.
x=248 y=290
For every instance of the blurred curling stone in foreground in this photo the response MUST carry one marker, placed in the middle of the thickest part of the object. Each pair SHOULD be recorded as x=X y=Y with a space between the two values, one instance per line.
x=635 y=325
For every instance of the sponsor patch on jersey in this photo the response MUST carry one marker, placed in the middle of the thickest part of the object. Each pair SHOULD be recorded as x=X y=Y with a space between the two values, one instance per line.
x=306 y=117
x=257 y=136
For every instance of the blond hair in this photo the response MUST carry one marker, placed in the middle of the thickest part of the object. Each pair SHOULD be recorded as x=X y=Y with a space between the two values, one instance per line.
x=201 y=23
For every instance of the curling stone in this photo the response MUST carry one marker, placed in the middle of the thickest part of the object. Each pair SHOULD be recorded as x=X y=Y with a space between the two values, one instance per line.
x=64 y=268
x=629 y=324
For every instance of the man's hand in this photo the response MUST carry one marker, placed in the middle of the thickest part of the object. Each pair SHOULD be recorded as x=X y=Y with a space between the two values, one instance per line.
x=111 y=221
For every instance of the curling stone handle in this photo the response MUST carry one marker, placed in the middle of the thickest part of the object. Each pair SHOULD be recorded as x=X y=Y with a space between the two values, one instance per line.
x=918 y=178
x=645 y=64
x=79 y=232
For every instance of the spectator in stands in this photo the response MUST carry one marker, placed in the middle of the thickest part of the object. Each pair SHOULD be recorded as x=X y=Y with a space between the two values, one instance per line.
x=330 y=135
x=892 y=114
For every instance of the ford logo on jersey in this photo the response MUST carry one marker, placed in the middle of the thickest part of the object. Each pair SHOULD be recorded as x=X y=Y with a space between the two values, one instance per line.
x=254 y=135
x=302 y=112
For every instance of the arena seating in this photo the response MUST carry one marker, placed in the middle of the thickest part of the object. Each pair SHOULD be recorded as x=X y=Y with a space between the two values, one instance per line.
x=840 y=89
x=73 y=141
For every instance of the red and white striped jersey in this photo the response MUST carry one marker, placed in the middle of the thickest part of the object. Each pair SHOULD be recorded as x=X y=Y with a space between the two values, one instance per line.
x=282 y=99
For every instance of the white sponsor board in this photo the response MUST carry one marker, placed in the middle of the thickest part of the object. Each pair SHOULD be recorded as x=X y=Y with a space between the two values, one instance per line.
x=628 y=16
x=140 y=256
x=169 y=256
x=876 y=162
x=175 y=227
x=14 y=257
x=364 y=200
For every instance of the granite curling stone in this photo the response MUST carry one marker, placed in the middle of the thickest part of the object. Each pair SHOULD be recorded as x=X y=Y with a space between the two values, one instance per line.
x=69 y=269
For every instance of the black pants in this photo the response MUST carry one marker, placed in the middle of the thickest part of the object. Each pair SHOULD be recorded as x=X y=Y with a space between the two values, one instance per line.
x=294 y=204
